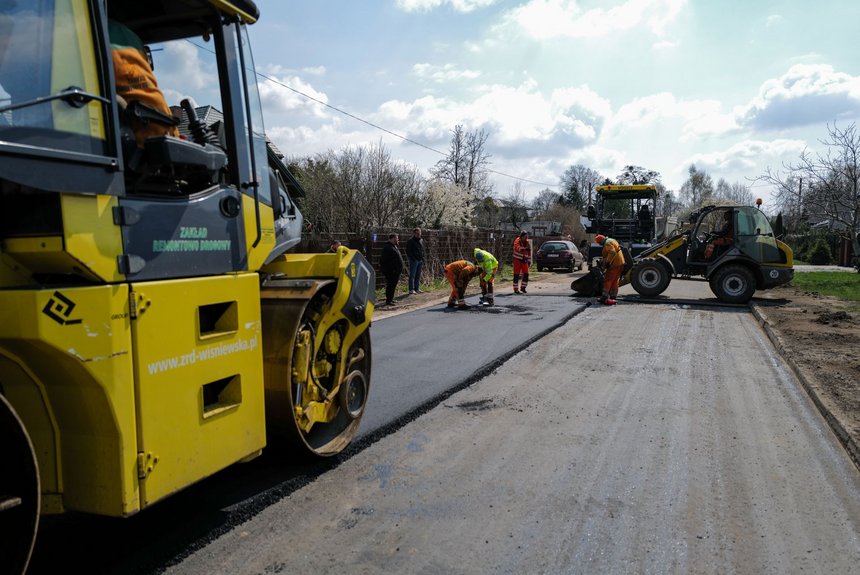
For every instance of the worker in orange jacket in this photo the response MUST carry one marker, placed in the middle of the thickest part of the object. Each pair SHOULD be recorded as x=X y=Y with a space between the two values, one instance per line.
x=613 y=265
x=522 y=261
x=459 y=274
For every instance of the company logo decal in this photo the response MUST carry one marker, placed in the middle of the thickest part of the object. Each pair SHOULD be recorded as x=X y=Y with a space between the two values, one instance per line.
x=59 y=308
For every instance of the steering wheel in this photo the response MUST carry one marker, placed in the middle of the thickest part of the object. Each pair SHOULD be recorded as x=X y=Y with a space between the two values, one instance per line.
x=702 y=236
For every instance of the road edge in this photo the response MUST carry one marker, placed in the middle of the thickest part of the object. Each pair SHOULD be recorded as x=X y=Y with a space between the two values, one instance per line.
x=841 y=433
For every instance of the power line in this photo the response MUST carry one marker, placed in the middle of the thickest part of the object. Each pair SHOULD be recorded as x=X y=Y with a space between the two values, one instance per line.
x=371 y=124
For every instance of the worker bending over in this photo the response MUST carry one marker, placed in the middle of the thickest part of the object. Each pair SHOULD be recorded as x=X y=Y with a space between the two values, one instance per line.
x=613 y=265
x=488 y=265
x=522 y=260
x=459 y=274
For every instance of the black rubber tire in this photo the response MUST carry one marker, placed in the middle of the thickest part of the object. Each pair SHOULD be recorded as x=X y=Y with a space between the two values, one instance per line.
x=733 y=283
x=650 y=277
x=19 y=492
x=540 y=268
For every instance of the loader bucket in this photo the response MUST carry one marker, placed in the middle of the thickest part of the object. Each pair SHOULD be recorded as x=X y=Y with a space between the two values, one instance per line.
x=589 y=285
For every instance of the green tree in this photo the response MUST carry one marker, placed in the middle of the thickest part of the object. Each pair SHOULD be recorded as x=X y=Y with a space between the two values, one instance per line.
x=778 y=227
x=577 y=185
x=637 y=176
x=820 y=253
x=698 y=189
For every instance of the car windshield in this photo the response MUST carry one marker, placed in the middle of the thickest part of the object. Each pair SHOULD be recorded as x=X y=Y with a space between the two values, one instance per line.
x=554 y=247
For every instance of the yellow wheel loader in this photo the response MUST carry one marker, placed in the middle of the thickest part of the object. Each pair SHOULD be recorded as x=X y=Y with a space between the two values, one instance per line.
x=153 y=328
x=732 y=247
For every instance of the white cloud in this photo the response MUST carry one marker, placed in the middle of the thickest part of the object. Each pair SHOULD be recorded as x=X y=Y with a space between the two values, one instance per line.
x=696 y=118
x=806 y=94
x=446 y=73
x=544 y=19
x=315 y=71
x=184 y=70
x=664 y=45
x=749 y=156
x=773 y=20
x=520 y=119
x=277 y=98
x=427 y=5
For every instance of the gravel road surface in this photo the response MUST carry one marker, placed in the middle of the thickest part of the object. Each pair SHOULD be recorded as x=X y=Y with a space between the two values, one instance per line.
x=634 y=439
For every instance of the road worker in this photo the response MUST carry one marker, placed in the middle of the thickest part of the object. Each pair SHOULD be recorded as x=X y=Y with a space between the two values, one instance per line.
x=722 y=238
x=522 y=260
x=488 y=264
x=612 y=263
x=135 y=82
x=459 y=274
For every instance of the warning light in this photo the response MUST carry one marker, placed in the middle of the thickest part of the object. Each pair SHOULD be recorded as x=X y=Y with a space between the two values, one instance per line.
x=758 y=202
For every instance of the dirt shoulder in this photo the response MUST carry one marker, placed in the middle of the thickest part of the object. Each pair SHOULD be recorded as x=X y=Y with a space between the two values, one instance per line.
x=819 y=336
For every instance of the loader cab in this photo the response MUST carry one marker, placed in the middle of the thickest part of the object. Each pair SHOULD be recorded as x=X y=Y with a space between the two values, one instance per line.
x=186 y=199
x=749 y=237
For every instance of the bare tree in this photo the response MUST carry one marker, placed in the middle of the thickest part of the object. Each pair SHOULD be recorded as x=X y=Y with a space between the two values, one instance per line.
x=515 y=207
x=577 y=185
x=736 y=194
x=466 y=163
x=386 y=186
x=356 y=189
x=545 y=199
x=825 y=187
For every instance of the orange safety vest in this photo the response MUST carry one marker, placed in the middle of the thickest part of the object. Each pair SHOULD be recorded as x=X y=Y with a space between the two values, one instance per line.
x=612 y=254
x=461 y=272
x=522 y=250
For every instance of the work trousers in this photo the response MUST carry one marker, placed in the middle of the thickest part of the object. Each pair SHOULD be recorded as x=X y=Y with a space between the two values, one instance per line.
x=521 y=269
x=611 y=281
x=458 y=291
x=390 y=286
x=415 y=274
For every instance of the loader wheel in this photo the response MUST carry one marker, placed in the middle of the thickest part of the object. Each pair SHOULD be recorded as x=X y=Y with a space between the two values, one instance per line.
x=650 y=277
x=733 y=284
x=19 y=492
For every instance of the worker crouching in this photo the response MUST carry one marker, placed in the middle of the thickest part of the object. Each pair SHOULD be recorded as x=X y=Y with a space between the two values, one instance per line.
x=488 y=265
x=613 y=265
x=459 y=274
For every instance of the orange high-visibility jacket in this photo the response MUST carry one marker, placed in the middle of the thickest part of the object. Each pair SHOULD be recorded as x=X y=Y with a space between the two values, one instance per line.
x=522 y=249
x=612 y=255
x=461 y=271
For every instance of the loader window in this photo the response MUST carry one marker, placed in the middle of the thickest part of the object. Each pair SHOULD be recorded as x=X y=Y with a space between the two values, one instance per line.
x=755 y=236
x=50 y=92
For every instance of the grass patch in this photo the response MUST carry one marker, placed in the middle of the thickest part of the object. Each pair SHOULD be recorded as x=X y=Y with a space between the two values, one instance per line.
x=843 y=285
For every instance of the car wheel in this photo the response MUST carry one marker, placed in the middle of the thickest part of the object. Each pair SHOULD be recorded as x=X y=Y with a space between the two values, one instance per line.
x=733 y=283
x=540 y=268
x=650 y=277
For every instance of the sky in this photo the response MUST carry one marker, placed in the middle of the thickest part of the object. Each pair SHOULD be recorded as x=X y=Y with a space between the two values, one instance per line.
x=733 y=87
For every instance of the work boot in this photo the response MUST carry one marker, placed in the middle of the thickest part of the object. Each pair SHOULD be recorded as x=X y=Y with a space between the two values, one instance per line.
x=516 y=290
x=609 y=302
x=523 y=289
